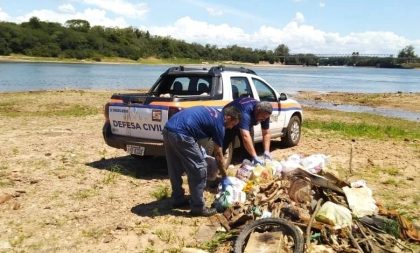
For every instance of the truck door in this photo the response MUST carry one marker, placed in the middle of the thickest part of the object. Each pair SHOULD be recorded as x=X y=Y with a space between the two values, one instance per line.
x=266 y=93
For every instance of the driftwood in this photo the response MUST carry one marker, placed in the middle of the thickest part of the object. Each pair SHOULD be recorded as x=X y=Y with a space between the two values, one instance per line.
x=308 y=228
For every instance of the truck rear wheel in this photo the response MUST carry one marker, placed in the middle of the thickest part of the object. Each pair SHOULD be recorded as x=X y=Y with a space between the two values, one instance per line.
x=292 y=135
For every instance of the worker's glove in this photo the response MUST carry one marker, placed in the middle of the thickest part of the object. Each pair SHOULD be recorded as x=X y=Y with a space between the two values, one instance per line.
x=267 y=155
x=225 y=182
x=257 y=161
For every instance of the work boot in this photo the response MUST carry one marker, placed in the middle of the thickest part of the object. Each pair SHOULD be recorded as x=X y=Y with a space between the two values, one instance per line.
x=184 y=203
x=206 y=212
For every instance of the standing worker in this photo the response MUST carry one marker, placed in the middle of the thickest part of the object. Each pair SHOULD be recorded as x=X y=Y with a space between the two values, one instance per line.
x=253 y=112
x=183 y=153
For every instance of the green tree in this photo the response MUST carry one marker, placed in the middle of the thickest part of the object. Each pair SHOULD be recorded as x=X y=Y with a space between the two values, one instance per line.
x=78 y=25
x=4 y=47
x=407 y=54
x=281 y=52
x=34 y=22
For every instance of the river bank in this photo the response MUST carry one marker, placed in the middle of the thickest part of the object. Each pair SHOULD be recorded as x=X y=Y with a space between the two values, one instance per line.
x=70 y=192
x=118 y=60
x=408 y=101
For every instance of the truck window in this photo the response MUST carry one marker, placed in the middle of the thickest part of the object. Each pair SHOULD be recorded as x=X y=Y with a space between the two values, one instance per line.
x=240 y=87
x=264 y=91
x=179 y=85
x=203 y=86
x=191 y=85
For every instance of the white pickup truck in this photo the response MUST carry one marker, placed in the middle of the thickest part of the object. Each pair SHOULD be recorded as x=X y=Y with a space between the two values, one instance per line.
x=134 y=122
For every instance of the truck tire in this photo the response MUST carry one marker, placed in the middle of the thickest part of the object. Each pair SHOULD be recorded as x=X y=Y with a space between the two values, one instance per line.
x=293 y=132
x=270 y=224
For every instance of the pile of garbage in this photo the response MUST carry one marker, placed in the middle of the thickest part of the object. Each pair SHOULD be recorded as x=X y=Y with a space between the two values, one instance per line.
x=331 y=215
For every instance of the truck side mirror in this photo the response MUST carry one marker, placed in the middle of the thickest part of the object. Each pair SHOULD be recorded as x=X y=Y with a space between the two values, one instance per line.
x=283 y=97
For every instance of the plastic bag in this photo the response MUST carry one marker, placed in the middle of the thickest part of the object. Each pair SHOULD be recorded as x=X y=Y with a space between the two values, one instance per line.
x=275 y=167
x=314 y=163
x=228 y=197
x=221 y=203
x=360 y=201
x=292 y=163
x=335 y=215
x=245 y=171
x=262 y=174
x=235 y=182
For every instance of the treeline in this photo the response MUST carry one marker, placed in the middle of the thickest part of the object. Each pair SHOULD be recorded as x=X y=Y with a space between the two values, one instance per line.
x=77 y=39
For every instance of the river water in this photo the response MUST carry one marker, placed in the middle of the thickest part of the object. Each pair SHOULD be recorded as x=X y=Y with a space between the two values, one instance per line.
x=52 y=76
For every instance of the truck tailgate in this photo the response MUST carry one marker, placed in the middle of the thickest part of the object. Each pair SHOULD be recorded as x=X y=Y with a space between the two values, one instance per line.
x=143 y=121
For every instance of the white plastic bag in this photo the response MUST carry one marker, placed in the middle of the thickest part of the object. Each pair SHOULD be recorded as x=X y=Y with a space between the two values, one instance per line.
x=235 y=182
x=230 y=196
x=292 y=163
x=314 y=163
x=360 y=201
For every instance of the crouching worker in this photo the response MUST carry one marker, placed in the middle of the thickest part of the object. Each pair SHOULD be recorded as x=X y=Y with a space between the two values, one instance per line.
x=253 y=113
x=183 y=153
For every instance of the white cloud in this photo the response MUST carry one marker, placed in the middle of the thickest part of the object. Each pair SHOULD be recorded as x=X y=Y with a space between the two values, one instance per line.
x=299 y=18
x=214 y=12
x=299 y=37
x=94 y=16
x=198 y=31
x=121 y=7
x=3 y=15
x=322 y=4
x=67 y=8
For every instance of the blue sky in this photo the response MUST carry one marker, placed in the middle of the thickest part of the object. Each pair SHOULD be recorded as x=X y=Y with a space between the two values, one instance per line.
x=305 y=26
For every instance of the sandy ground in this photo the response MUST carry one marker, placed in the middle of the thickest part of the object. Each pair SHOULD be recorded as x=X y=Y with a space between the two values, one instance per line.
x=70 y=192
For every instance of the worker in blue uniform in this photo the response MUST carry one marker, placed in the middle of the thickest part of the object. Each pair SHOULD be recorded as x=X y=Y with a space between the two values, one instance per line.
x=253 y=112
x=183 y=153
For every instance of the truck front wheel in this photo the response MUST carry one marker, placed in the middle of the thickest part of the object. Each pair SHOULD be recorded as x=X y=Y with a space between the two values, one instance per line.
x=292 y=135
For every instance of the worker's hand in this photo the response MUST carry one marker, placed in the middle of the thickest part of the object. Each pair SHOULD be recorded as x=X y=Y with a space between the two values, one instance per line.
x=225 y=182
x=257 y=160
x=267 y=155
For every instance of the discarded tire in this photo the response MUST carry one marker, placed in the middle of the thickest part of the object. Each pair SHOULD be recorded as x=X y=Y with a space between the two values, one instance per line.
x=270 y=225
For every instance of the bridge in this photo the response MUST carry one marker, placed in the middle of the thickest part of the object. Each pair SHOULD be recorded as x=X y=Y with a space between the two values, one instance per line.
x=354 y=54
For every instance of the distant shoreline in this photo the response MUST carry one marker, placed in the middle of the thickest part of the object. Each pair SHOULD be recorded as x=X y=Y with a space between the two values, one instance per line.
x=146 y=61
x=154 y=61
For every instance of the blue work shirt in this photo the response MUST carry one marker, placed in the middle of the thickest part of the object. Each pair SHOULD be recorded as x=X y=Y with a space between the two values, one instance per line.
x=246 y=106
x=198 y=122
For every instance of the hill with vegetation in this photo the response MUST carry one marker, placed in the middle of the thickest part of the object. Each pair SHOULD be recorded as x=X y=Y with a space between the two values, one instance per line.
x=78 y=39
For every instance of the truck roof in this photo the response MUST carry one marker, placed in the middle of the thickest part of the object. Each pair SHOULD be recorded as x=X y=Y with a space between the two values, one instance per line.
x=213 y=71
